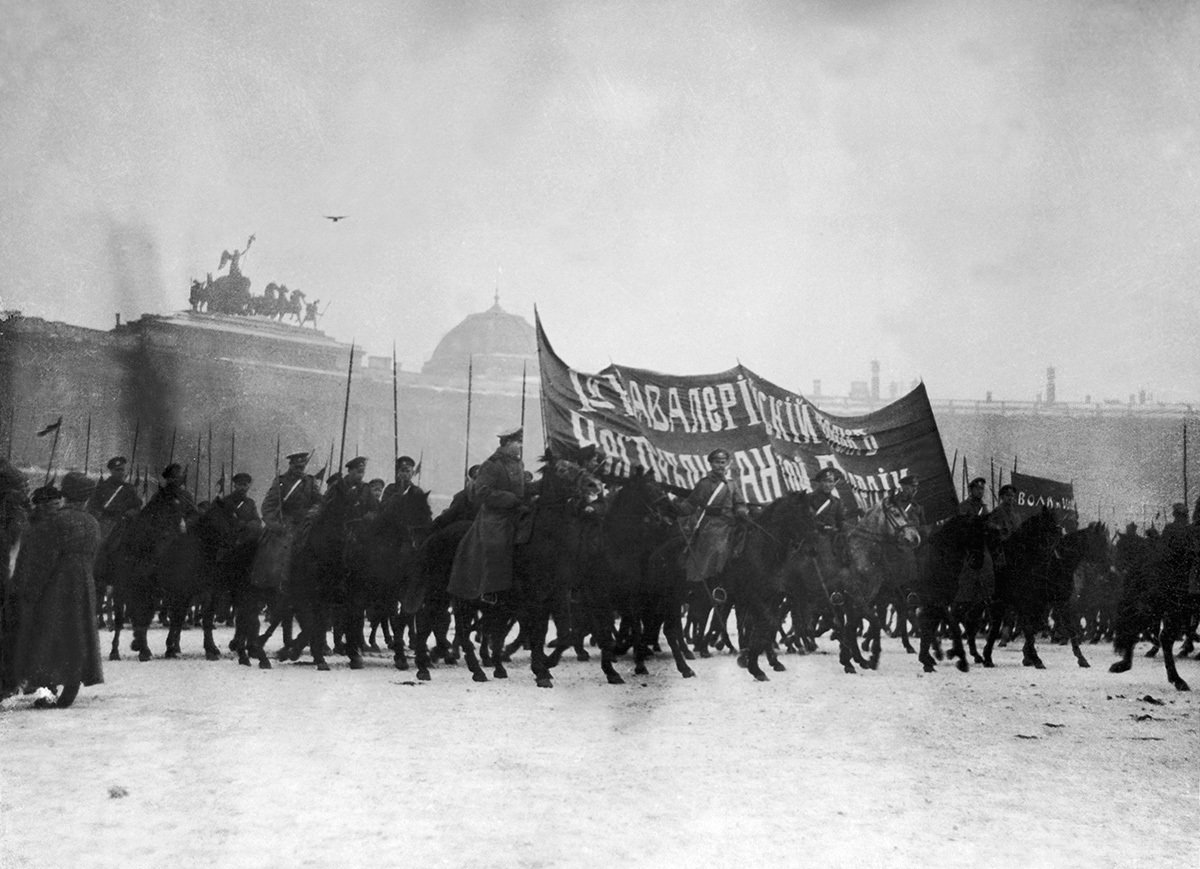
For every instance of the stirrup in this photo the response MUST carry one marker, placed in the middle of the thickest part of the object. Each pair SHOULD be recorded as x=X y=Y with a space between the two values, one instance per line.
x=489 y=598
x=719 y=595
x=837 y=599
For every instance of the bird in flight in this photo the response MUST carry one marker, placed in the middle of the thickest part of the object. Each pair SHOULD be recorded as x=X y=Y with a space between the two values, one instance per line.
x=336 y=217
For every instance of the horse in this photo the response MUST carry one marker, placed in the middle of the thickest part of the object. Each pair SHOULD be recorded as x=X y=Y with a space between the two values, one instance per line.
x=319 y=585
x=612 y=569
x=754 y=579
x=882 y=551
x=961 y=540
x=1085 y=546
x=1156 y=597
x=540 y=580
x=205 y=564
x=1022 y=571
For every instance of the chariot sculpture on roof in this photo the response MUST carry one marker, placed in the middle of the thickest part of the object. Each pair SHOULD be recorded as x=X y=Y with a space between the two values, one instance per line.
x=230 y=294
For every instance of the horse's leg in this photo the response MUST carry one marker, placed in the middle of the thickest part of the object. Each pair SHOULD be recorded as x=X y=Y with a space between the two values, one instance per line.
x=538 y=660
x=399 y=659
x=1029 y=655
x=1071 y=624
x=996 y=613
x=673 y=630
x=419 y=632
x=1166 y=639
x=847 y=640
x=956 y=640
x=927 y=620
x=208 y=616
x=462 y=629
x=496 y=632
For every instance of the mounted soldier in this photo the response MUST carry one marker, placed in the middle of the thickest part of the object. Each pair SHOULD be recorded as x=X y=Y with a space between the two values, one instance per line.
x=829 y=514
x=114 y=499
x=483 y=562
x=292 y=494
x=716 y=503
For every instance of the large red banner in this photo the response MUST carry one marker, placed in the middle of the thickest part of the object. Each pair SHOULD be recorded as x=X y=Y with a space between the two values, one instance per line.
x=778 y=440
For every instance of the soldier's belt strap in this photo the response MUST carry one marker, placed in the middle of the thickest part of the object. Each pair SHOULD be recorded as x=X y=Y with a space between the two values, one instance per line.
x=293 y=489
x=116 y=492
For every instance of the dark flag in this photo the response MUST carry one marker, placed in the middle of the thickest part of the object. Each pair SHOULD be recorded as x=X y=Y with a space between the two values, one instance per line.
x=1034 y=493
x=51 y=429
x=777 y=440
x=221 y=481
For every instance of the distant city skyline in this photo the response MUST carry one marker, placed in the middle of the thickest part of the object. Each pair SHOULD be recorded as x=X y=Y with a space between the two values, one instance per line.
x=967 y=192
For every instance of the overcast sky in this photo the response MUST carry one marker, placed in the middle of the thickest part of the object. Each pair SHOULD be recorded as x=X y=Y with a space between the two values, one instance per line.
x=966 y=192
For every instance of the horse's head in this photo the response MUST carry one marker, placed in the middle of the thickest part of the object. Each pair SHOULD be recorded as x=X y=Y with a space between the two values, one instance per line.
x=888 y=522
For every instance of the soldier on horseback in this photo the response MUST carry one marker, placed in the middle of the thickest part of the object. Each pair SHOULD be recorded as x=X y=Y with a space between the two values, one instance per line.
x=716 y=504
x=483 y=563
x=973 y=505
x=113 y=498
x=828 y=512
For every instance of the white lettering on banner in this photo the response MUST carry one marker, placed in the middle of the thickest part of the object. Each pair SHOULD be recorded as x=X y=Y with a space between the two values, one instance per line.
x=728 y=399
x=696 y=406
x=1036 y=502
x=620 y=392
x=710 y=408
x=583 y=428
x=854 y=441
x=638 y=405
x=870 y=489
x=675 y=411
x=654 y=407
x=748 y=401
x=758 y=472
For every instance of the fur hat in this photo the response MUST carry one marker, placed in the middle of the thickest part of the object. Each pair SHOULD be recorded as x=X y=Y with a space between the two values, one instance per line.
x=77 y=487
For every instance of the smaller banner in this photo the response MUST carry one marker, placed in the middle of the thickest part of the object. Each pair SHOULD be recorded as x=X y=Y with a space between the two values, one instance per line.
x=1034 y=493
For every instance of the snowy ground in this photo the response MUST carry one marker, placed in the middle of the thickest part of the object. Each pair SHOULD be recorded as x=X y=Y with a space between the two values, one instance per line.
x=197 y=763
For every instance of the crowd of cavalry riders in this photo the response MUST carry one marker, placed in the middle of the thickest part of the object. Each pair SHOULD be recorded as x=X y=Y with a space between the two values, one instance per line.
x=616 y=565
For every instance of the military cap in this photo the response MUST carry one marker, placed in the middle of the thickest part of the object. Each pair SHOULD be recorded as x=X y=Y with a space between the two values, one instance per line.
x=242 y=477
x=718 y=453
x=405 y=460
x=515 y=434
x=77 y=486
x=42 y=494
x=173 y=471
x=298 y=457
x=358 y=463
x=829 y=474
x=1006 y=488
x=978 y=481
x=117 y=462
x=908 y=480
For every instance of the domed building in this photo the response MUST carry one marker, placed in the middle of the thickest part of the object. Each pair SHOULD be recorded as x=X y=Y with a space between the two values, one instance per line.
x=497 y=344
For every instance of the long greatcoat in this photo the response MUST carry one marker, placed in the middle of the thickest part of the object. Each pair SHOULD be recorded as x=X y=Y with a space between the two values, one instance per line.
x=57 y=639
x=483 y=563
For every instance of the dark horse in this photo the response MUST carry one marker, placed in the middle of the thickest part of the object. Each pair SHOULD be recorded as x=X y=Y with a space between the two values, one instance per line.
x=1156 y=597
x=613 y=573
x=755 y=579
x=205 y=565
x=961 y=541
x=541 y=580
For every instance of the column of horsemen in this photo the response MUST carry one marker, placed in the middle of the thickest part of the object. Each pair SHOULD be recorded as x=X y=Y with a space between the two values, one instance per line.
x=620 y=561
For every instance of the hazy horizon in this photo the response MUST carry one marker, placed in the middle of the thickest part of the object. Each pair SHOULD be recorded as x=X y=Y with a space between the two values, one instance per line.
x=967 y=192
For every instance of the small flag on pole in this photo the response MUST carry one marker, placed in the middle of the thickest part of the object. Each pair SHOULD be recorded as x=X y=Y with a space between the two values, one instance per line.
x=51 y=429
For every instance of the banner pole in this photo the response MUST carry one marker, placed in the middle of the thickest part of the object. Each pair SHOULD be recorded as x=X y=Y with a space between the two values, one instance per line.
x=467 y=451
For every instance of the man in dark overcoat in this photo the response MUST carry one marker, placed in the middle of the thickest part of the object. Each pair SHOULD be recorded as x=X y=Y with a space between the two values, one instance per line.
x=114 y=498
x=291 y=495
x=57 y=640
x=716 y=503
x=483 y=562
x=13 y=521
